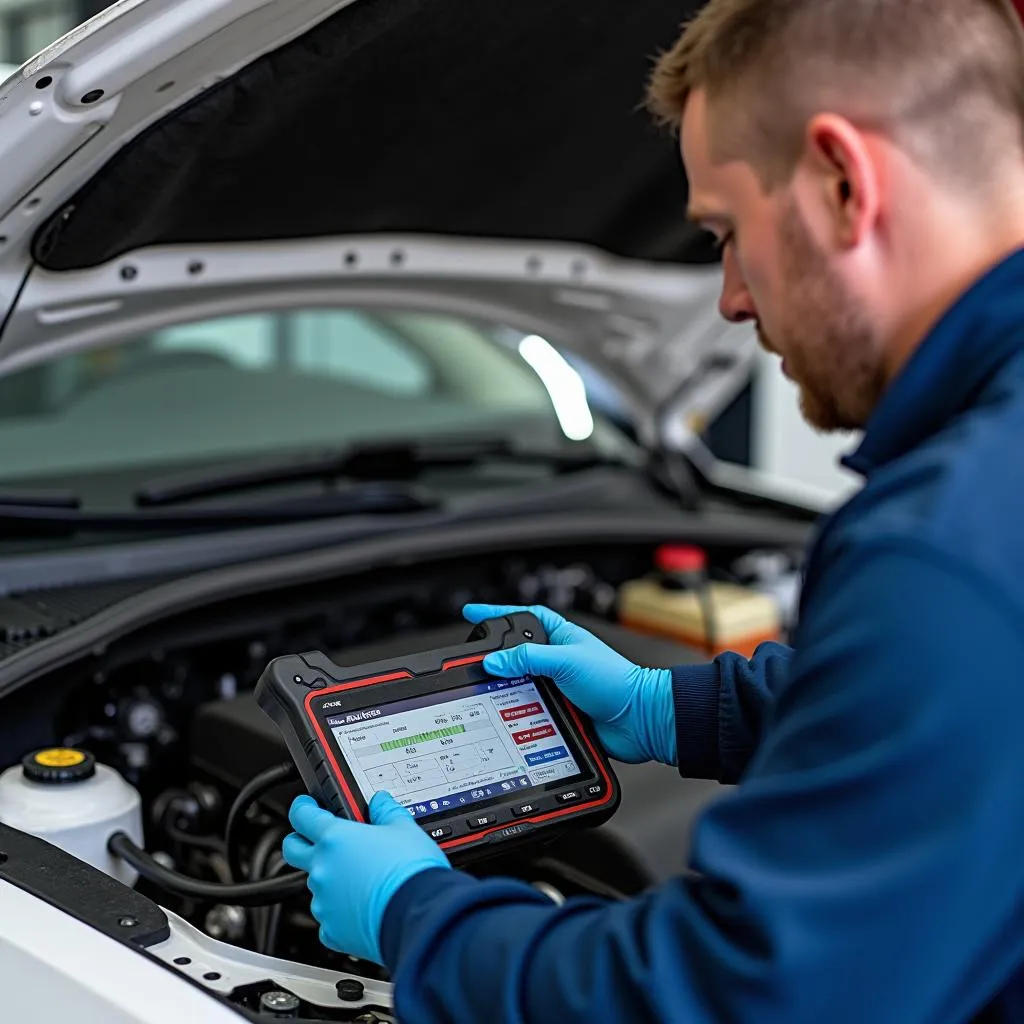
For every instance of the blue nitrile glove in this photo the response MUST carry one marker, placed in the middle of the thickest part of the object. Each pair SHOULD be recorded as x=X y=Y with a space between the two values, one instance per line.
x=631 y=707
x=355 y=869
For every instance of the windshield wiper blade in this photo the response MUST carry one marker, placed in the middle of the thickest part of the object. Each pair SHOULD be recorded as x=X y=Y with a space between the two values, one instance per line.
x=362 y=499
x=381 y=461
x=40 y=499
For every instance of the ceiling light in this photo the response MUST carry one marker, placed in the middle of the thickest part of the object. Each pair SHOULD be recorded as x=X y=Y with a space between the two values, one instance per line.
x=564 y=385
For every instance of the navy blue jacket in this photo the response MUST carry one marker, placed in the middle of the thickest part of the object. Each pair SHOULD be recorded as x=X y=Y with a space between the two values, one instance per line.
x=869 y=866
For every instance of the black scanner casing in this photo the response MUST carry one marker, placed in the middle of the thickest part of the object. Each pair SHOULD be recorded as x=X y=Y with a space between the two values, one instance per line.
x=293 y=689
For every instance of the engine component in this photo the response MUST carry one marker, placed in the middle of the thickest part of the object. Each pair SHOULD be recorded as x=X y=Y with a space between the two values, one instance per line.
x=775 y=573
x=187 y=814
x=140 y=717
x=62 y=795
x=678 y=601
x=232 y=741
x=566 y=587
x=226 y=923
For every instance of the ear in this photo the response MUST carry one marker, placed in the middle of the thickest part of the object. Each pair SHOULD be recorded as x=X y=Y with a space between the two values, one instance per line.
x=842 y=160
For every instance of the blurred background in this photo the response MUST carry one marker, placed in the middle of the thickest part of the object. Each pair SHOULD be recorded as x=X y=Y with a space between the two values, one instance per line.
x=762 y=428
x=26 y=26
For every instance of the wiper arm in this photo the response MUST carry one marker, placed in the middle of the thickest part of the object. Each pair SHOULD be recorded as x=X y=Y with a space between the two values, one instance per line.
x=46 y=517
x=381 y=461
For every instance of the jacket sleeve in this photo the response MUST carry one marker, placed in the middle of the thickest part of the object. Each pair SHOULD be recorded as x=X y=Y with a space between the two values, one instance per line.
x=864 y=869
x=720 y=709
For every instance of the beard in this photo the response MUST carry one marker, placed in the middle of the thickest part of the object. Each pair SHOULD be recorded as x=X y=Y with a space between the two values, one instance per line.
x=832 y=352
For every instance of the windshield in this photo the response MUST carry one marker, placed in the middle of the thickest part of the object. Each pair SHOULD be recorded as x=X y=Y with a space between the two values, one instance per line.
x=266 y=383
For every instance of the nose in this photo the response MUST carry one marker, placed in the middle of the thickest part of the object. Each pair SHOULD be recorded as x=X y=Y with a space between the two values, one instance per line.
x=735 y=303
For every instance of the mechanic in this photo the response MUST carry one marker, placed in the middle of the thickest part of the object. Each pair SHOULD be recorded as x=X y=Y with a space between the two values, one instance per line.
x=862 y=164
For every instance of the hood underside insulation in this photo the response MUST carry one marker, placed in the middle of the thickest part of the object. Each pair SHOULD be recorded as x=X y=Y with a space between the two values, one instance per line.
x=508 y=119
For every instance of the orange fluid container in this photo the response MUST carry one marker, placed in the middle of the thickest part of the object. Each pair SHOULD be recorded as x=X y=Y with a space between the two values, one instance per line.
x=741 y=618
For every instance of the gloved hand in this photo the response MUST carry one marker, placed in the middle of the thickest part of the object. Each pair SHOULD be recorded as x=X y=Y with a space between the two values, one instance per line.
x=355 y=869
x=632 y=707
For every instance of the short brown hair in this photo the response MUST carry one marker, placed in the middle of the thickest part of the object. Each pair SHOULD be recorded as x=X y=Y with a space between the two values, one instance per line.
x=944 y=77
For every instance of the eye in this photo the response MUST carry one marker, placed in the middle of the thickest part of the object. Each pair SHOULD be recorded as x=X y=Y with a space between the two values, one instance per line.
x=721 y=241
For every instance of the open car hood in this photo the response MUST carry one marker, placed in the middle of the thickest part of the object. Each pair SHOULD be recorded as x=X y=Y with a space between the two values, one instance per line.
x=177 y=159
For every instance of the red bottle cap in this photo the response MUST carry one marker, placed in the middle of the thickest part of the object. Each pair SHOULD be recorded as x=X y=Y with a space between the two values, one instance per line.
x=680 y=558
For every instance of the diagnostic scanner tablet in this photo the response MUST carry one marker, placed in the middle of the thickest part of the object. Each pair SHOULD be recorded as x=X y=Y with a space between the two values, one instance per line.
x=477 y=761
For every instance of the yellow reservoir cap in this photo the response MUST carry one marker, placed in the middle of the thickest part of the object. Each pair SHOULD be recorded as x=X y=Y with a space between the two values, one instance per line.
x=58 y=765
x=59 y=757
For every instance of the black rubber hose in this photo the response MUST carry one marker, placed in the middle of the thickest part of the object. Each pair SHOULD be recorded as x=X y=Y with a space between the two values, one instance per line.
x=245 y=894
x=251 y=791
x=268 y=941
x=265 y=850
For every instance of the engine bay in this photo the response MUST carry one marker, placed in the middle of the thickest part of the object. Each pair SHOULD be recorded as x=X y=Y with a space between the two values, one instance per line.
x=170 y=707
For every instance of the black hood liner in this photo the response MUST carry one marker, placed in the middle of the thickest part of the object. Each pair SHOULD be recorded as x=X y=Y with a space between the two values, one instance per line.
x=484 y=118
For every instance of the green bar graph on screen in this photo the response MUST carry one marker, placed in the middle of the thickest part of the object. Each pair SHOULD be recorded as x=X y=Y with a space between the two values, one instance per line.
x=423 y=737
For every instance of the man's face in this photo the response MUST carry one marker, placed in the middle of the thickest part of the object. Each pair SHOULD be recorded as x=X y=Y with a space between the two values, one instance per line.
x=777 y=274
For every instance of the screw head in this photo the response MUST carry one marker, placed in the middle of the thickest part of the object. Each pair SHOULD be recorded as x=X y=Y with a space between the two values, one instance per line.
x=279 y=1004
x=528 y=633
x=127 y=922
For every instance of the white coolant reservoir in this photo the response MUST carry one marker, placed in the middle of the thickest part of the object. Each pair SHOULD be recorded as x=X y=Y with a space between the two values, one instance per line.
x=63 y=796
